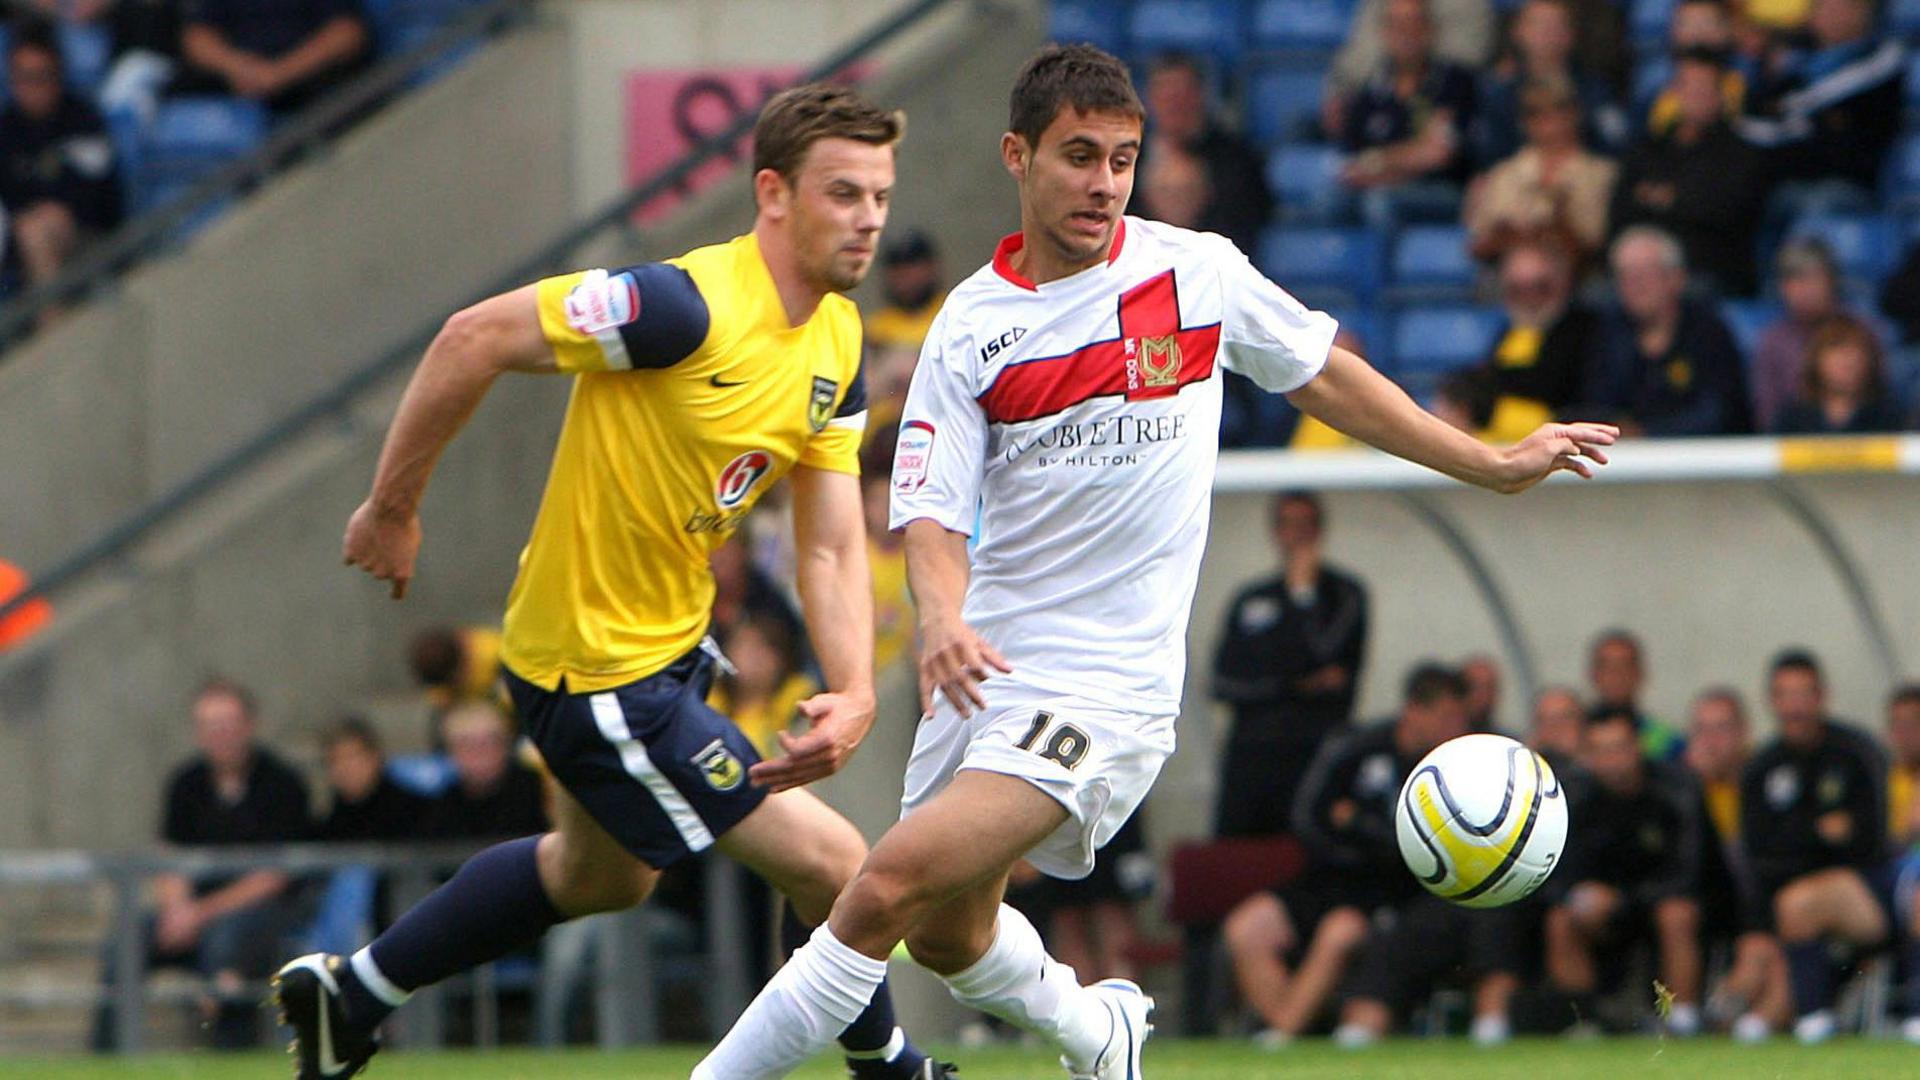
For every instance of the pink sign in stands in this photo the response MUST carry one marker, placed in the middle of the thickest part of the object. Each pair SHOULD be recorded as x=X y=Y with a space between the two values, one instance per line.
x=671 y=112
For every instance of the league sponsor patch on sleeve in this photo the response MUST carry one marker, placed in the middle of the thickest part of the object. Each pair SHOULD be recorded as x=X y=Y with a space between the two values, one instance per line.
x=910 y=456
x=603 y=302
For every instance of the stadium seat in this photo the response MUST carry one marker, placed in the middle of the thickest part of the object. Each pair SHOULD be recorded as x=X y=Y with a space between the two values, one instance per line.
x=86 y=49
x=1429 y=341
x=1432 y=260
x=1866 y=246
x=1341 y=265
x=206 y=128
x=1902 y=17
x=1647 y=20
x=1650 y=76
x=1211 y=27
x=1301 y=25
x=1283 y=103
x=1098 y=22
x=399 y=25
x=1363 y=323
x=422 y=774
x=1747 y=318
x=1305 y=181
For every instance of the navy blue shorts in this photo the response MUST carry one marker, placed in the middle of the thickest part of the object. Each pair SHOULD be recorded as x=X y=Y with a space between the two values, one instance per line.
x=660 y=771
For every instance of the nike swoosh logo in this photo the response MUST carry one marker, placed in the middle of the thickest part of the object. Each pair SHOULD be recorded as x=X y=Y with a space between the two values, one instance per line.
x=722 y=384
x=329 y=1065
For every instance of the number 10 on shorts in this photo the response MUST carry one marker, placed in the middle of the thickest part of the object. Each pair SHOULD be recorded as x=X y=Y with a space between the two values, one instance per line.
x=1066 y=743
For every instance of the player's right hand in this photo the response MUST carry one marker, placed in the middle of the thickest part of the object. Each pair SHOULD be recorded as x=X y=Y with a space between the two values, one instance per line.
x=955 y=661
x=383 y=545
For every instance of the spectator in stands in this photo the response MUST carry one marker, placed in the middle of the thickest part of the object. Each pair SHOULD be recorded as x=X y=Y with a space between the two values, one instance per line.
x=1752 y=996
x=1482 y=675
x=1696 y=179
x=763 y=692
x=1664 y=363
x=226 y=926
x=1344 y=815
x=894 y=624
x=146 y=48
x=1903 y=775
x=1617 y=674
x=914 y=286
x=1703 y=28
x=59 y=183
x=1092 y=925
x=1288 y=665
x=1465 y=399
x=1900 y=296
x=1465 y=33
x=742 y=589
x=1427 y=942
x=1553 y=186
x=1813 y=828
x=1844 y=390
x=1828 y=114
x=1233 y=200
x=1175 y=186
x=1810 y=291
x=285 y=54
x=1558 y=722
x=451 y=665
x=1540 y=41
x=493 y=795
x=1406 y=128
x=367 y=804
x=1539 y=359
x=1630 y=871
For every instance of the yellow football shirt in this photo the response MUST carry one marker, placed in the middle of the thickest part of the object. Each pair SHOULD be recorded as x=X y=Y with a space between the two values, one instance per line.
x=693 y=396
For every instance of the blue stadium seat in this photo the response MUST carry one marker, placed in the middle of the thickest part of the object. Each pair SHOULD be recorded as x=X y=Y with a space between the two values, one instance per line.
x=1327 y=266
x=422 y=774
x=1747 y=318
x=1301 y=25
x=86 y=49
x=399 y=25
x=1429 y=341
x=1433 y=258
x=1902 y=17
x=1647 y=20
x=206 y=127
x=1305 y=181
x=343 y=918
x=1212 y=27
x=1650 y=76
x=1283 y=103
x=1098 y=22
x=1867 y=246
x=1363 y=323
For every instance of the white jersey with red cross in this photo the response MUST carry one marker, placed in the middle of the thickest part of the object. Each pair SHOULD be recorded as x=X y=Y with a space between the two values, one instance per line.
x=1072 y=428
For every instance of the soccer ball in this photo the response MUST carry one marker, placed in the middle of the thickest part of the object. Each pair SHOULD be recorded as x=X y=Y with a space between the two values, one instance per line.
x=1481 y=821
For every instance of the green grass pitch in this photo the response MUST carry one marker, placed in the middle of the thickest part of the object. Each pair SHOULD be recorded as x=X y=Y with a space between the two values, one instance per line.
x=1616 y=1059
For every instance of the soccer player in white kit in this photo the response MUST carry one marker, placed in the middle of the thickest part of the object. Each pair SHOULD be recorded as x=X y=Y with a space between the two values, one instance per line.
x=1065 y=414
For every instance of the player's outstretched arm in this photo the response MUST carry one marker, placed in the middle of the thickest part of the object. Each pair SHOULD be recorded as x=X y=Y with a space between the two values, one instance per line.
x=836 y=595
x=1350 y=396
x=474 y=346
x=953 y=659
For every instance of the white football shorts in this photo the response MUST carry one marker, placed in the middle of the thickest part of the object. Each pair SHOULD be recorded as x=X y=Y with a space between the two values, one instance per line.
x=1098 y=763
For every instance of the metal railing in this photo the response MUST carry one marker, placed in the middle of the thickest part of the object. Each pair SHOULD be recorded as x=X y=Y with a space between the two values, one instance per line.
x=154 y=230
x=336 y=401
x=625 y=1006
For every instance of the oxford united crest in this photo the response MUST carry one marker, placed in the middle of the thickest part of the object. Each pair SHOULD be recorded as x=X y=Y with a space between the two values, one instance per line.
x=820 y=406
x=719 y=765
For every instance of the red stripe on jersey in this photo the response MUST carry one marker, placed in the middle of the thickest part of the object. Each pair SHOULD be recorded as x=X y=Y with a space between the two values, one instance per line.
x=1152 y=358
x=1011 y=244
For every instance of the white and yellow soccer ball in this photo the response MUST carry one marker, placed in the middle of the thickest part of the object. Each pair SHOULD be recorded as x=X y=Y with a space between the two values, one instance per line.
x=1481 y=821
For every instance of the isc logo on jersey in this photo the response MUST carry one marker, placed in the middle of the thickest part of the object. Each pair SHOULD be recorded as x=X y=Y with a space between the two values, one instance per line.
x=732 y=491
x=910 y=456
x=602 y=302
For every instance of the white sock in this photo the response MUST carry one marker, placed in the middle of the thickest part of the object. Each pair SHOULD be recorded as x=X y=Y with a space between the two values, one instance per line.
x=1019 y=983
x=802 y=1009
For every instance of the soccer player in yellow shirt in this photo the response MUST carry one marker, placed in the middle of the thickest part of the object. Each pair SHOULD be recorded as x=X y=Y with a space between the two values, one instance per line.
x=699 y=383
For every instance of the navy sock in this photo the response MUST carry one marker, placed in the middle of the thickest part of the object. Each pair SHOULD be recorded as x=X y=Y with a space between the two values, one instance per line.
x=872 y=1031
x=1810 y=971
x=494 y=906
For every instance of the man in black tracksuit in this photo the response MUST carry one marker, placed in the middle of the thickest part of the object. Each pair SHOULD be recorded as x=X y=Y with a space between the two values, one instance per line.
x=1289 y=666
x=1813 y=825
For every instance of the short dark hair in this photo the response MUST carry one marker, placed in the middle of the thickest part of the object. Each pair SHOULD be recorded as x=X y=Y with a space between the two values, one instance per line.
x=34 y=33
x=1178 y=60
x=793 y=120
x=1621 y=635
x=1904 y=694
x=1430 y=682
x=350 y=729
x=1613 y=714
x=1083 y=77
x=435 y=656
x=1795 y=659
x=1299 y=495
x=1726 y=694
x=221 y=686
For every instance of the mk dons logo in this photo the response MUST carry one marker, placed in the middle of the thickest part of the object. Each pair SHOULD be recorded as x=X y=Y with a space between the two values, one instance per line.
x=1160 y=360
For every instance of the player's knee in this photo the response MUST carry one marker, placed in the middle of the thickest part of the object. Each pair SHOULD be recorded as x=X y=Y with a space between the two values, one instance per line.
x=1254 y=924
x=582 y=885
x=882 y=895
x=1796 y=911
x=949 y=949
x=1677 y=917
x=1343 y=929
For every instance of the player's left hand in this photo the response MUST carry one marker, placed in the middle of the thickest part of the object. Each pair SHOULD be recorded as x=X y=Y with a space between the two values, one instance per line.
x=838 y=723
x=1574 y=448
